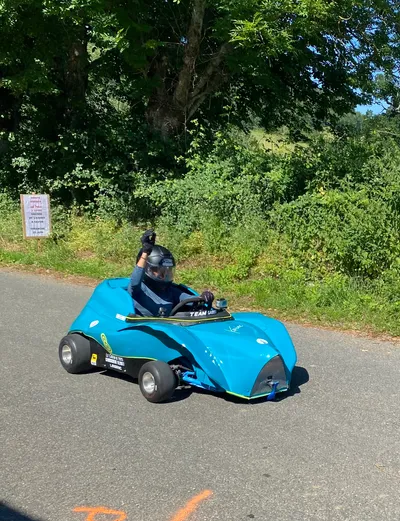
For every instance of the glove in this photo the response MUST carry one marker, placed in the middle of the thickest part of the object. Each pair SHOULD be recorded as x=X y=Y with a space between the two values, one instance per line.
x=148 y=240
x=208 y=296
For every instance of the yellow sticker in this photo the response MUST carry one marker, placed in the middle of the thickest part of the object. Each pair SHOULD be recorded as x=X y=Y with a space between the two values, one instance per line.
x=93 y=360
x=107 y=346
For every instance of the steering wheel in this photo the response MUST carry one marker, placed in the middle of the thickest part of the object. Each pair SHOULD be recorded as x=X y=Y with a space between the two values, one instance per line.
x=183 y=303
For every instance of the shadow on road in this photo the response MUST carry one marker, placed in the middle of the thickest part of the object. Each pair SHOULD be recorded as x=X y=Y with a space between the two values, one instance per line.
x=300 y=377
x=9 y=514
x=180 y=394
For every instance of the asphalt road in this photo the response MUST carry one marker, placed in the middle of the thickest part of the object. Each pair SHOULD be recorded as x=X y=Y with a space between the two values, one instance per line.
x=330 y=450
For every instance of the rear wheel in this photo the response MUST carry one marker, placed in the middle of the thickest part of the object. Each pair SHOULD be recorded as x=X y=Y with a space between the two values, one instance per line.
x=74 y=352
x=157 y=381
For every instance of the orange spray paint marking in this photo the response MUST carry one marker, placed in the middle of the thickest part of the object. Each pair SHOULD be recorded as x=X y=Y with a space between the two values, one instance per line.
x=191 y=506
x=93 y=511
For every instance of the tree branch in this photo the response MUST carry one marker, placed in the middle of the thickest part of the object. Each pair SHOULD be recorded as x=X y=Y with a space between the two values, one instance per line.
x=210 y=71
x=214 y=82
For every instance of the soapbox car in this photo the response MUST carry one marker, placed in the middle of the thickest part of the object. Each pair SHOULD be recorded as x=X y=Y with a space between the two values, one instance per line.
x=244 y=354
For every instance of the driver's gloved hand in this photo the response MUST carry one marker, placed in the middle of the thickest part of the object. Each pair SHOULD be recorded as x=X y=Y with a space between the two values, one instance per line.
x=208 y=296
x=148 y=240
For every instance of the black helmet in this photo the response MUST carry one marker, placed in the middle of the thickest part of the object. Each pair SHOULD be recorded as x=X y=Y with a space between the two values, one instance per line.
x=160 y=268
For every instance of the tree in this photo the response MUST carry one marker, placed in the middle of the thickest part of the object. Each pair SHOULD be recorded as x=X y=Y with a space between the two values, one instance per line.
x=173 y=60
x=43 y=56
x=388 y=90
x=272 y=57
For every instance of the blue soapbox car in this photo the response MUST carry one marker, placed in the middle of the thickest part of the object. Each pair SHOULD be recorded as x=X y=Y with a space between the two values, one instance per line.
x=247 y=355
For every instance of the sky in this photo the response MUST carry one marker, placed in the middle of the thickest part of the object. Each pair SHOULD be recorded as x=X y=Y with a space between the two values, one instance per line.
x=376 y=108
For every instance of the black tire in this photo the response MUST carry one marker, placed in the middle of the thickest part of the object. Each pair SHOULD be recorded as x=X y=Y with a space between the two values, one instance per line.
x=165 y=381
x=79 y=350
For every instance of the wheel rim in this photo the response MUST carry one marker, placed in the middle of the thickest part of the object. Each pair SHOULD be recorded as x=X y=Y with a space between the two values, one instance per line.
x=66 y=353
x=149 y=383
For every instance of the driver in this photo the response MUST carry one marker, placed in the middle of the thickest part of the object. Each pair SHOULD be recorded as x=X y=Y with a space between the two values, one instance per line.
x=151 y=280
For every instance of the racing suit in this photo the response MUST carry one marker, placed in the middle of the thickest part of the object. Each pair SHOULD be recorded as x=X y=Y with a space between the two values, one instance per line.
x=149 y=301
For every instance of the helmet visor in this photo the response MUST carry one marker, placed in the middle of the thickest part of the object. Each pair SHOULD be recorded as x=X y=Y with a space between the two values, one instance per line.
x=162 y=273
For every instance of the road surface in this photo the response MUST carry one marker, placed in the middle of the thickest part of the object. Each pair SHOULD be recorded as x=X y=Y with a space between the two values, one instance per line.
x=330 y=450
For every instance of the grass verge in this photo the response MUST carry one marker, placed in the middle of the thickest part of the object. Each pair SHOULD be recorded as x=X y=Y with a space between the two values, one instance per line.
x=349 y=306
x=269 y=281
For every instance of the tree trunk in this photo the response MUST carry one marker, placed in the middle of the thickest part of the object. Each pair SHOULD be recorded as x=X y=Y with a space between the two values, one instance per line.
x=192 y=52
x=162 y=115
x=76 y=80
x=174 y=102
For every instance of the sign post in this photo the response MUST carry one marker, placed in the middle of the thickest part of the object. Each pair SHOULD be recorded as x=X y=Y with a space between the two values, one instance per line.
x=36 y=219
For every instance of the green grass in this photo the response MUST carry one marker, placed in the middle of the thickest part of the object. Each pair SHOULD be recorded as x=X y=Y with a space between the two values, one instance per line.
x=270 y=282
x=55 y=261
x=337 y=302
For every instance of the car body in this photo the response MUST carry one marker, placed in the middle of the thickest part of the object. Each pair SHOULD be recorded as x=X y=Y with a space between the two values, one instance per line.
x=245 y=354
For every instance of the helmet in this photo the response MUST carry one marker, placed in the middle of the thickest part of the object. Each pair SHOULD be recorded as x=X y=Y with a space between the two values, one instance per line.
x=160 y=268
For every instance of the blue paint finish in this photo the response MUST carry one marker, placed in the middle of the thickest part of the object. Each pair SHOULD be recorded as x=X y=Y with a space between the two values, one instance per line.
x=276 y=333
x=225 y=355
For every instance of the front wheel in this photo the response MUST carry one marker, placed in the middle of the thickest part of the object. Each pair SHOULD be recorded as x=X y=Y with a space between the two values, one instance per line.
x=157 y=381
x=74 y=353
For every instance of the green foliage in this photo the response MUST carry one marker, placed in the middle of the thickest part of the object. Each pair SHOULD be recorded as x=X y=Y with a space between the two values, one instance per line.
x=87 y=87
x=234 y=181
x=335 y=200
x=255 y=268
x=102 y=239
x=11 y=230
x=95 y=169
x=219 y=123
x=341 y=231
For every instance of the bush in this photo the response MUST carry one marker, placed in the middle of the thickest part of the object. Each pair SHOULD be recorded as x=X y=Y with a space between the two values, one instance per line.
x=235 y=181
x=10 y=220
x=103 y=239
x=347 y=232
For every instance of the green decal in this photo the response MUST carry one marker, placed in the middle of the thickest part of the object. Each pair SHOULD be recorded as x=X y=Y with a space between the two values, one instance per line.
x=107 y=346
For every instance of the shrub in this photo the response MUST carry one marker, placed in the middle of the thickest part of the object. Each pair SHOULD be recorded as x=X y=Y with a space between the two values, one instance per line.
x=235 y=181
x=348 y=232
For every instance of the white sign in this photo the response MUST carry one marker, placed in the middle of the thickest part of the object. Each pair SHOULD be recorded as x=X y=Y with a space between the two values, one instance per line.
x=36 y=216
